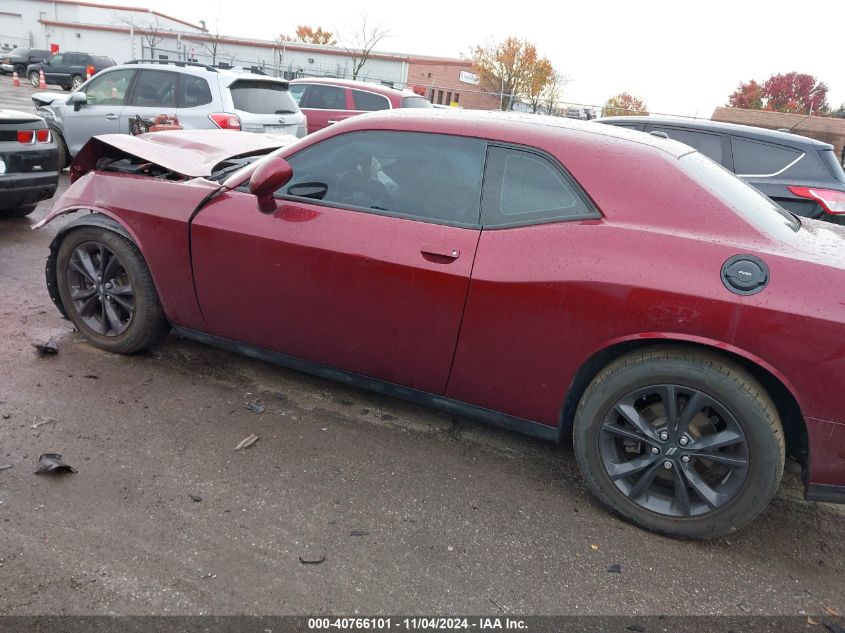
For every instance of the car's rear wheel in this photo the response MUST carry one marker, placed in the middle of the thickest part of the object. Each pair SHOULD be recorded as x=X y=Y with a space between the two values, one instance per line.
x=680 y=442
x=20 y=69
x=34 y=79
x=107 y=291
x=18 y=212
x=76 y=81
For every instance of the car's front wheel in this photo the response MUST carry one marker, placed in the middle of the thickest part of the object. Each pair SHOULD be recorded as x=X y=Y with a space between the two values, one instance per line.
x=681 y=442
x=107 y=290
x=34 y=79
x=18 y=212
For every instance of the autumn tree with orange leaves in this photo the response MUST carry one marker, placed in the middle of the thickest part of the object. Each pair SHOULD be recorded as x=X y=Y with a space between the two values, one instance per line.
x=624 y=104
x=515 y=70
x=315 y=36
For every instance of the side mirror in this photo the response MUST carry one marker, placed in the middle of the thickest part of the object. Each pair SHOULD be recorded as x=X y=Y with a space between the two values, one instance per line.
x=77 y=100
x=268 y=177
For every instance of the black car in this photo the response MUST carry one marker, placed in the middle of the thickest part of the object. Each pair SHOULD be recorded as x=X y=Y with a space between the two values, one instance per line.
x=18 y=59
x=799 y=173
x=68 y=70
x=29 y=163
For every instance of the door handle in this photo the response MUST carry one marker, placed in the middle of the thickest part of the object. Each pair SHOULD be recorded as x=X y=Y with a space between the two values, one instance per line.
x=440 y=251
x=112 y=117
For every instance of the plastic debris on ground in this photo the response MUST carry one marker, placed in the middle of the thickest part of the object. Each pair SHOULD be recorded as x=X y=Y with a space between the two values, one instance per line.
x=248 y=441
x=52 y=464
x=48 y=348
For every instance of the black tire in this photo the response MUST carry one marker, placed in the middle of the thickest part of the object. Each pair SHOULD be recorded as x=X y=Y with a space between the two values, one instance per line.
x=730 y=395
x=144 y=325
x=66 y=87
x=21 y=70
x=61 y=146
x=18 y=212
x=34 y=79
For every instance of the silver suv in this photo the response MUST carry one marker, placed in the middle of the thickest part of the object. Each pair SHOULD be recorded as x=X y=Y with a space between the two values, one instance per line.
x=201 y=96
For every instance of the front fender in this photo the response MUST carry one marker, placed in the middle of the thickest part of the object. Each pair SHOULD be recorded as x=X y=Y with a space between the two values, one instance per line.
x=90 y=219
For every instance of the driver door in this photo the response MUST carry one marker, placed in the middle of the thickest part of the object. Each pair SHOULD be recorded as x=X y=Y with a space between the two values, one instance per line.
x=365 y=263
x=105 y=95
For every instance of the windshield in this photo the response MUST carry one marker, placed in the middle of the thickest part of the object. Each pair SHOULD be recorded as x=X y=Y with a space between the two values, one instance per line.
x=262 y=97
x=749 y=203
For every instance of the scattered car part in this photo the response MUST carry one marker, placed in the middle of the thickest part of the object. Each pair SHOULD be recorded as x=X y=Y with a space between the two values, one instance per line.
x=52 y=464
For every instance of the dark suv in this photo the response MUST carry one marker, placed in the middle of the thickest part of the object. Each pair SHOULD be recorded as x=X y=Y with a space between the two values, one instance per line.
x=799 y=173
x=18 y=59
x=68 y=70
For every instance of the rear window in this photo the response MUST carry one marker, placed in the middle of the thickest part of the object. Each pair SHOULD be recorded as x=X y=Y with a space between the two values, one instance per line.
x=757 y=209
x=753 y=158
x=415 y=102
x=262 y=97
x=829 y=159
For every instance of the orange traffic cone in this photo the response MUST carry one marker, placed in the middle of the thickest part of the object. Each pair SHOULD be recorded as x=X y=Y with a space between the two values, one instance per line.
x=16 y=81
x=42 y=83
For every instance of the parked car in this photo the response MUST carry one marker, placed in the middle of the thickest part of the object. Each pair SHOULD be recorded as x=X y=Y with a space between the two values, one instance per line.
x=28 y=163
x=18 y=59
x=672 y=320
x=202 y=97
x=326 y=101
x=799 y=173
x=68 y=70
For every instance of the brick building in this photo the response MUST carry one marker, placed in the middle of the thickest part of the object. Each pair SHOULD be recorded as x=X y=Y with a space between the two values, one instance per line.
x=449 y=82
x=827 y=129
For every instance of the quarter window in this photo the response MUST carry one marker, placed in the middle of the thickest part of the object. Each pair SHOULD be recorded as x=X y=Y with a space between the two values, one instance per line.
x=108 y=88
x=429 y=177
x=752 y=158
x=523 y=188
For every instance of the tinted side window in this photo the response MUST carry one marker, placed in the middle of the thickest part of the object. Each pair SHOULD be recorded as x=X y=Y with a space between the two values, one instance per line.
x=369 y=101
x=73 y=59
x=155 y=88
x=523 y=187
x=193 y=91
x=431 y=177
x=753 y=158
x=708 y=144
x=109 y=88
x=324 y=98
x=55 y=60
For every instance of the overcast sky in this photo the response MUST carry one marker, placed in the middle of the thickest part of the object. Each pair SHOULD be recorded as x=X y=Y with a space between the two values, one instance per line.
x=679 y=57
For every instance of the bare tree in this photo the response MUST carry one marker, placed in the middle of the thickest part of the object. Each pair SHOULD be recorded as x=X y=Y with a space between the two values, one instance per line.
x=152 y=34
x=361 y=42
x=211 y=43
x=553 y=93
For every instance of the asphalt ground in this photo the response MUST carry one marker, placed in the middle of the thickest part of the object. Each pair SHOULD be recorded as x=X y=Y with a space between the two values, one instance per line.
x=413 y=511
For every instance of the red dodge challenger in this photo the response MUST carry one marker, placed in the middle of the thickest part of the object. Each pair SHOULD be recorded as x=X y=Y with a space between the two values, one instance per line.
x=560 y=278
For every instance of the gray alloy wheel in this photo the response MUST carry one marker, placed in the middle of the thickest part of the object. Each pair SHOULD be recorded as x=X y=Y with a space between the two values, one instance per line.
x=107 y=291
x=680 y=441
x=77 y=81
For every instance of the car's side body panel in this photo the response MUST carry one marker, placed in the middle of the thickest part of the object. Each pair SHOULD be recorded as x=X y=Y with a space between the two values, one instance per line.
x=352 y=291
x=367 y=293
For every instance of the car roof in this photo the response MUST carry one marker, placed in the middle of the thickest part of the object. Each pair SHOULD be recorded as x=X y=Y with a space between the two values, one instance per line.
x=747 y=131
x=495 y=125
x=229 y=74
x=359 y=85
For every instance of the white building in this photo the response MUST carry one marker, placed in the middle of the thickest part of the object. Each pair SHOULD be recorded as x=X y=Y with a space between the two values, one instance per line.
x=125 y=33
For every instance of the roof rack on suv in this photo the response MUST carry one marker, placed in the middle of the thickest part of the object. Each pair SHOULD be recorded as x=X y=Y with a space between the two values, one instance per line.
x=175 y=62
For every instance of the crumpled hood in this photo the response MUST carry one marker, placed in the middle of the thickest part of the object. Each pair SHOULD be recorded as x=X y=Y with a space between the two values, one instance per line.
x=192 y=153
